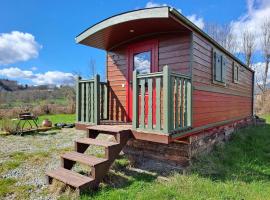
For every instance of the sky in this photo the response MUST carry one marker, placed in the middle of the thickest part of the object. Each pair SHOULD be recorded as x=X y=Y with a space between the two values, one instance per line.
x=37 y=38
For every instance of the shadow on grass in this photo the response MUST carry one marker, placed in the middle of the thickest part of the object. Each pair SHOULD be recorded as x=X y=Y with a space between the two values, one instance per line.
x=41 y=133
x=245 y=158
x=120 y=180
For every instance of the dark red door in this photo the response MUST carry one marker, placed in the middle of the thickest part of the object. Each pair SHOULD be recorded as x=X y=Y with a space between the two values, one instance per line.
x=142 y=57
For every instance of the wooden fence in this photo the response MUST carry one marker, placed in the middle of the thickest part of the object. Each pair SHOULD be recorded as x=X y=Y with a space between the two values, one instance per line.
x=161 y=101
x=91 y=100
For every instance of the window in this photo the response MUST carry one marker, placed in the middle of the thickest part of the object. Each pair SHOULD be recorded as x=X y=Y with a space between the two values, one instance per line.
x=235 y=73
x=219 y=68
x=142 y=62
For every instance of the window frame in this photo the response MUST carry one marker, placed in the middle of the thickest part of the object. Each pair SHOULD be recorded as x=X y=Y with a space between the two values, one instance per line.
x=236 y=78
x=223 y=67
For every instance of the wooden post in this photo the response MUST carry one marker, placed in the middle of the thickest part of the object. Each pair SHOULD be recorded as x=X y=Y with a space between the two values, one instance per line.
x=106 y=101
x=78 y=112
x=189 y=87
x=166 y=97
x=135 y=109
x=97 y=99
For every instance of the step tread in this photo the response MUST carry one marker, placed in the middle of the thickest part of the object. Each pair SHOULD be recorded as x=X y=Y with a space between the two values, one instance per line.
x=96 y=142
x=69 y=177
x=110 y=128
x=83 y=158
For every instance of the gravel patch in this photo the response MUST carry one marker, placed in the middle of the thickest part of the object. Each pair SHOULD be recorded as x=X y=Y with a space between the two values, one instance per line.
x=31 y=172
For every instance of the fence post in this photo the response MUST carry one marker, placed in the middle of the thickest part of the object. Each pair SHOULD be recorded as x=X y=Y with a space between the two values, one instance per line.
x=96 y=99
x=135 y=101
x=166 y=99
x=78 y=106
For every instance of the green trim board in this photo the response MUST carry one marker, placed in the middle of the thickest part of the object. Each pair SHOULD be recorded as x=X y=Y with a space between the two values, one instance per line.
x=213 y=88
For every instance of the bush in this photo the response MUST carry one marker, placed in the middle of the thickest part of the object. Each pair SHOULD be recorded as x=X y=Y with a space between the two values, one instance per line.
x=9 y=126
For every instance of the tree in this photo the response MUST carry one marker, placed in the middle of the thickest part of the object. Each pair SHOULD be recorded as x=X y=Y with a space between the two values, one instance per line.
x=92 y=67
x=265 y=43
x=248 y=45
x=223 y=34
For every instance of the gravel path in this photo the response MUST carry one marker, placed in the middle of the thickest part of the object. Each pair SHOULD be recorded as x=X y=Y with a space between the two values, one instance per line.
x=32 y=171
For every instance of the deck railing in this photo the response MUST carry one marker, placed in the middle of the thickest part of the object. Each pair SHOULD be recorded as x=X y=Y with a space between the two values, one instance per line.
x=161 y=101
x=91 y=100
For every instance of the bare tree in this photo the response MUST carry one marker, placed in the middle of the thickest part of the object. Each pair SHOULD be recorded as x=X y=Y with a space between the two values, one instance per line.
x=223 y=34
x=92 y=67
x=265 y=42
x=248 y=45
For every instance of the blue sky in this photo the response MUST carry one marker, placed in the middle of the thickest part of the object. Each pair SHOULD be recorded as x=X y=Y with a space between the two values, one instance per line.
x=51 y=26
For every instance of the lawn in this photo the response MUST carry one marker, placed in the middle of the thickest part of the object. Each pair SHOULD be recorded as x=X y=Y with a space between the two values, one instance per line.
x=56 y=118
x=239 y=169
x=64 y=118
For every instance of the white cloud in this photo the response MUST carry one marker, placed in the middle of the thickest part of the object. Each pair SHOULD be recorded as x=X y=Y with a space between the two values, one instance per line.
x=198 y=21
x=15 y=72
x=17 y=46
x=257 y=12
x=34 y=68
x=54 y=77
x=152 y=4
x=50 y=77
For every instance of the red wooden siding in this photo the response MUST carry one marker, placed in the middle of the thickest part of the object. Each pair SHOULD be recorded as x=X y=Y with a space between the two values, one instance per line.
x=211 y=102
x=174 y=51
x=209 y=107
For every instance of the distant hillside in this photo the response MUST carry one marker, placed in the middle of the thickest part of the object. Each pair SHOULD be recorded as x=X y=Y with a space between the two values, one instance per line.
x=12 y=86
x=8 y=85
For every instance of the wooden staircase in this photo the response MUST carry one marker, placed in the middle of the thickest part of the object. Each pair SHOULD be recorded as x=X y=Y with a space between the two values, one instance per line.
x=99 y=166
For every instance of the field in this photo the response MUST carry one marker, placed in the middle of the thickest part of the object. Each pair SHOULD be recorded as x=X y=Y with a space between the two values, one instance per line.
x=239 y=169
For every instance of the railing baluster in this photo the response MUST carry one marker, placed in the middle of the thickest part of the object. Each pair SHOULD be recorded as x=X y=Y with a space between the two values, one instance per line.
x=97 y=99
x=181 y=102
x=142 y=83
x=158 y=122
x=83 y=102
x=150 y=104
x=105 y=101
x=185 y=115
x=176 y=102
x=101 y=100
x=86 y=102
x=172 y=110
x=78 y=100
x=92 y=102
x=135 y=107
x=189 y=104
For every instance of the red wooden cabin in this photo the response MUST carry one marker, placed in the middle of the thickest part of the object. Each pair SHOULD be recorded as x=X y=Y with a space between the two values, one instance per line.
x=167 y=81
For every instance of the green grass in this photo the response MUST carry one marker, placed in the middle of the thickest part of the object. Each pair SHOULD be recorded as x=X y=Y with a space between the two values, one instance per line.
x=57 y=118
x=240 y=169
x=267 y=117
x=8 y=186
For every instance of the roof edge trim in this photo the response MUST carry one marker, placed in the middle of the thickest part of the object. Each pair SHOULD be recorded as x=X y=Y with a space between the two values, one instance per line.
x=205 y=35
x=158 y=12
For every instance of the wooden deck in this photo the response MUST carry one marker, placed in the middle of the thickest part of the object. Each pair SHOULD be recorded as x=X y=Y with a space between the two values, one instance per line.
x=139 y=135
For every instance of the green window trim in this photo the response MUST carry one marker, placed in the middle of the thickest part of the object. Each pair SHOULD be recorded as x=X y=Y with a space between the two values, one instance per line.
x=235 y=73
x=219 y=68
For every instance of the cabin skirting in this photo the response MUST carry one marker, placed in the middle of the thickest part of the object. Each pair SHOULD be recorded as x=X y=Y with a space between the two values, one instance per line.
x=180 y=153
